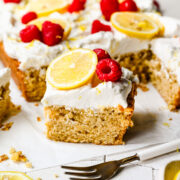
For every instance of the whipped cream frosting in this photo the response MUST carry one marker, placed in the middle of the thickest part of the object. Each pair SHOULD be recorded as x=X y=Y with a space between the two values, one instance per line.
x=168 y=50
x=106 y=94
x=5 y=75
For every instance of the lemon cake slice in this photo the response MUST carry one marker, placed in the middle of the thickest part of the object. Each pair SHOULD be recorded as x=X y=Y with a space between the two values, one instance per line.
x=5 y=102
x=88 y=101
x=165 y=70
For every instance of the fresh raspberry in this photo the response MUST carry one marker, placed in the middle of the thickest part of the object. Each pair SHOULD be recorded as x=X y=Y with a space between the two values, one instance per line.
x=12 y=1
x=77 y=5
x=102 y=54
x=31 y=32
x=156 y=3
x=28 y=17
x=108 y=70
x=52 y=33
x=108 y=7
x=98 y=26
x=128 y=5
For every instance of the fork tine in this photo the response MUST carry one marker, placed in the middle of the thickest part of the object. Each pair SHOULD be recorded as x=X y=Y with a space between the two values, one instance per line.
x=90 y=168
x=82 y=174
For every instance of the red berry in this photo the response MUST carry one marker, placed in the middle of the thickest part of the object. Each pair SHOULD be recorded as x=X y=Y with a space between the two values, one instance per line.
x=77 y=5
x=12 y=1
x=31 y=32
x=128 y=5
x=28 y=17
x=101 y=54
x=52 y=33
x=157 y=5
x=108 y=7
x=108 y=70
x=98 y=26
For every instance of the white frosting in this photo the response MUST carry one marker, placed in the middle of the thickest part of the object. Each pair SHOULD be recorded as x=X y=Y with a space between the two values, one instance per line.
x=168 y=50
x=145 y=5
x=4 y=76
x=107 y=94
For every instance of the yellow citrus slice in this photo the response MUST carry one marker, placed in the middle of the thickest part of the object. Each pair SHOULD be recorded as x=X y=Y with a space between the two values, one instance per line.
x=45 y=7
x=177 y=177
x=61 y=21
x=136 y=25
x=72 y=69
x=10 y=175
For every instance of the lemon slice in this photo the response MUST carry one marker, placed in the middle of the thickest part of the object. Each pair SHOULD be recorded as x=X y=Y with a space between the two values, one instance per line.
x=66 y=26
x=45 y=7
x=72 y=69
x=10 y=175
x=177 y=177
x=136 y=25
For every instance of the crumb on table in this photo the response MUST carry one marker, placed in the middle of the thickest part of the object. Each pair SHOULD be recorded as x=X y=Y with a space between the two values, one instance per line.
x=29 y=165
x=3 y=157
x=7 y=126
x=38 y=119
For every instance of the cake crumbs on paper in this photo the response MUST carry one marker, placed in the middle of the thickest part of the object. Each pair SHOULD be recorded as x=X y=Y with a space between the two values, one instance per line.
x=38 y=119
x=29 y=165
x=143 y=87
x=7 y=126
x=166 y=124
x=36 y=104
x=56 y=175
x=3 y=157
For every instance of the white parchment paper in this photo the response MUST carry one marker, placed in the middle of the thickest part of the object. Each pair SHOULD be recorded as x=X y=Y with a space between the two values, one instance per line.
x=152 y=126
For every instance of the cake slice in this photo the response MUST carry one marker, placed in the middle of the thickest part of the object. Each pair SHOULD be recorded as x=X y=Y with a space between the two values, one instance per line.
x=165 y=70
x=6 y=106
x=93 y=111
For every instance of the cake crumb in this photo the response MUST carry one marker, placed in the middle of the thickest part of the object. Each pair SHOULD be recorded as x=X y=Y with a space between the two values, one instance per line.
x=38 y=119
x=56 y=175
x=3 y=157
x=12 y=150
x=170 y=119
x=38 y=178
x=29 y=165
x=166 y=124
x=36 y=104
x=143 y=87
x=18 y=157
x=177 y=150
x=7 y=126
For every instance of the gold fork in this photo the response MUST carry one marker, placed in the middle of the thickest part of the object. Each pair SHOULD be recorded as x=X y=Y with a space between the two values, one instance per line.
x=107 y=170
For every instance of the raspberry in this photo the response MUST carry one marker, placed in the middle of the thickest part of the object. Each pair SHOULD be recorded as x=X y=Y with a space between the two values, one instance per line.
x=98 y=26
x=157 y=5
x=128 y=5
x=28 y=17
x=31 y=32
x=101 y=54
x=12 y=1
x=52 y=33
x=77 y=5
x=108 y=7
x=108 y=70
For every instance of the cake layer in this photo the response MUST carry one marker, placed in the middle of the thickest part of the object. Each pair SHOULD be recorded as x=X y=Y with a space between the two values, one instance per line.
x=105 y=126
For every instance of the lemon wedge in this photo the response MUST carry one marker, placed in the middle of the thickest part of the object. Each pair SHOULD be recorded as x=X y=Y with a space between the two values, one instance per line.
x=61 y=21
x=136 y=25
x=72 y=69
x=45 y=7
x=10 y=175
x=177 y=177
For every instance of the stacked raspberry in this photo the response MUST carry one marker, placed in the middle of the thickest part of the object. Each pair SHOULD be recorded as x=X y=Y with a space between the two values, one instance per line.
x=107 y=69
x=51 y=33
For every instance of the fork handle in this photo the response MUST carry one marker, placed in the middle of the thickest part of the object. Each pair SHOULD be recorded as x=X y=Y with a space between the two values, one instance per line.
x=159 y=150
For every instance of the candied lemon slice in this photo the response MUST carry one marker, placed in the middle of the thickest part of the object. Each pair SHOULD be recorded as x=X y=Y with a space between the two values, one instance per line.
x=45 y=7
x=72 y=69
x=61 y=21
x=10 y=175
x=136 y=25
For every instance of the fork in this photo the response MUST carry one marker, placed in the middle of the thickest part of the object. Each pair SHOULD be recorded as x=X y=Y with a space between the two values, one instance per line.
x=107 y=170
